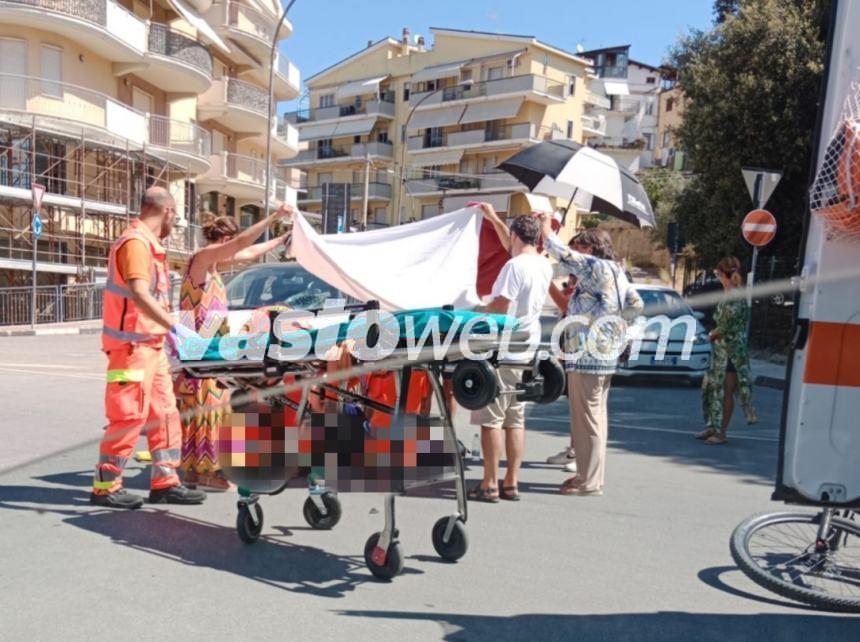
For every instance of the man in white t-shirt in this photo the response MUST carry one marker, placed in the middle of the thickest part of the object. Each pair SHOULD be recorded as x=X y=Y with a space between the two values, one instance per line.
x=520 y=290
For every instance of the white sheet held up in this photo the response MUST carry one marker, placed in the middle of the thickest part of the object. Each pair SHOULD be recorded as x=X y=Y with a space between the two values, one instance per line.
x=426 y=264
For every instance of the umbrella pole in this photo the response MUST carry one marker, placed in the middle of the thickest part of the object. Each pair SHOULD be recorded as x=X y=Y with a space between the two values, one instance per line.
x=569 y=203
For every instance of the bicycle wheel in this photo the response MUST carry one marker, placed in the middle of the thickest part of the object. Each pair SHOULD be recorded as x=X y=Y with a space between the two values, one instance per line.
x=779 y=552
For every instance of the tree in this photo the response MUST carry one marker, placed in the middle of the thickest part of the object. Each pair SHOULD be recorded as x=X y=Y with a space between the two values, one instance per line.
x=724 y=8
x=664 y=189
x=752 y=85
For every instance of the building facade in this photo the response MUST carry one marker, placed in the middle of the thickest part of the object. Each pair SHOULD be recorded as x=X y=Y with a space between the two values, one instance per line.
x=624 y=105
x=671 y=115
x=100 y=99
x=417 y=130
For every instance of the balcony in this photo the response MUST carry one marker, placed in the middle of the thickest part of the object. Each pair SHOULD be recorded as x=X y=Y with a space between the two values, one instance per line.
x=534 y=87
x=375 y=192
x=104 y=26
x=481 y=182
x=178 y=63
x=342 y=154
x=247 y=26
x=285 y=140
x=237 y=104
x=593 y=125
x=69 y=109
x=244 y=178
x=491 y=137
x=383 y=107
x=287 y=81
x=595 y=100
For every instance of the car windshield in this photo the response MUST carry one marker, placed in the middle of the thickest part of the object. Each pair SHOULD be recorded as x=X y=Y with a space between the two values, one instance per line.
x=666 y=302
x=282 y=285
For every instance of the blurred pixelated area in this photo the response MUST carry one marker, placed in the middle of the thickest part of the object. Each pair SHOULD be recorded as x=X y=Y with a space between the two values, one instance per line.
x=344 y=450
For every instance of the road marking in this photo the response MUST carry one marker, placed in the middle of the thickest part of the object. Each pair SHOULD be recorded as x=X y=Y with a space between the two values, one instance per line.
x=35 y=365
x=69 y=375
x=653 y=429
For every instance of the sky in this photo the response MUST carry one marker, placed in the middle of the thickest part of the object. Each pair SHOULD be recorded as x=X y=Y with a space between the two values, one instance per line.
x=326 y=31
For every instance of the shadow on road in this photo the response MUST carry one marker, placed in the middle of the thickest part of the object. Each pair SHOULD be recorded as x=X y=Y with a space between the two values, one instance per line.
x=195 y=542
x=665 y=625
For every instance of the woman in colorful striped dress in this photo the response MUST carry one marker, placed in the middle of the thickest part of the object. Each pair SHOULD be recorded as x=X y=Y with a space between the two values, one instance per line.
x=203 y=300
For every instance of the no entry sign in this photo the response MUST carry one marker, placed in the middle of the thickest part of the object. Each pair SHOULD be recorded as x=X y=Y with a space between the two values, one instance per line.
x=759 y=228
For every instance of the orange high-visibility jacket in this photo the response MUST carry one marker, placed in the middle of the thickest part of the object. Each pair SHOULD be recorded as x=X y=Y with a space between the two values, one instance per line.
x=123 y=322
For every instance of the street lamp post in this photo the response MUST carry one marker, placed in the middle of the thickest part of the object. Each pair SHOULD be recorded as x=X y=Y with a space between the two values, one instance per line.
x=272 y=51
x=466 y=84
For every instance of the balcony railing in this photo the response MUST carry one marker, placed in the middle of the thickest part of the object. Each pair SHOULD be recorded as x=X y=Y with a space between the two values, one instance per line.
x=358 y=150
x=164 y=41
x=501 y=86
x=246 y=95
x=487 y=181
x=179 y=136
x=375 y=190
x=384 y=106
x=243 y=18
x=601 y=102
x=516 y=131
x=288 y=70
x=112 y=17
x=596 y=124
x=55 y=99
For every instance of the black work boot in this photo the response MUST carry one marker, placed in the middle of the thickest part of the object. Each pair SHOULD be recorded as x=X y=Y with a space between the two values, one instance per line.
x=178 y=494
x=117 y=499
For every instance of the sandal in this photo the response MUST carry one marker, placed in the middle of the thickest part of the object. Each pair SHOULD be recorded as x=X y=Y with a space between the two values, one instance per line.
x=717 y=440
x=480 y=494
x=214 y=482
x=509 y=493
x=706 y=434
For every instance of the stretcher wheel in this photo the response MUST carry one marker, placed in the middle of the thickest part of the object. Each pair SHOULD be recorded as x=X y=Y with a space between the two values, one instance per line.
x=554 y=380
x=475 y=384
x=393 y=563
x=315 y=518
x=457 y=544
x=248 y=531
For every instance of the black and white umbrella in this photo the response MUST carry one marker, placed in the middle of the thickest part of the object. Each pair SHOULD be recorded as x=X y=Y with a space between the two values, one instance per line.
x=584 y=176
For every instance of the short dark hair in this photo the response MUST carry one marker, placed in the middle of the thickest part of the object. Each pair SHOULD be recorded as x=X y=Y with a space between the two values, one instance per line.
x=598 y=241
x=527 y=229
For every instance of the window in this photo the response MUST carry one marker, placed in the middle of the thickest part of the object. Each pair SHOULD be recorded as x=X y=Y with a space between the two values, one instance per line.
x=649 y=141
x=649 y=108
x=571 y=85
x=489 y=163
x=326 y=100
x=324 y=148
x=670 y=103
x=429 y=211
x=407 y=86
x=52 y=70
x=380 y=214
x=667 y=138
x=356 y=139
x=382 y=136
x=324 y=177
x=434 y=137
x=570 y=129
x=650 y=80
x=495 y=73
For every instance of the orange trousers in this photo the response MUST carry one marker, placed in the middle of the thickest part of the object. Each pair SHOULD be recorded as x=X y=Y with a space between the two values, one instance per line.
x=139 y=397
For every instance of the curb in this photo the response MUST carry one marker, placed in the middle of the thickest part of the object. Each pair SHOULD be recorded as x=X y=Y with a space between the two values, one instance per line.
x=770 y=382
x=48 y=332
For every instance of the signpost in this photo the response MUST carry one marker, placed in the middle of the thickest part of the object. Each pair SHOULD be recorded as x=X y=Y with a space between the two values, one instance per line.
x=336 y=199
x=759 y=226
x=36 y=225
x=674 y=243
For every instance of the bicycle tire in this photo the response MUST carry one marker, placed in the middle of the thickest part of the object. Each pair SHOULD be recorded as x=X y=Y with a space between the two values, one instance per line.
x=739 y=546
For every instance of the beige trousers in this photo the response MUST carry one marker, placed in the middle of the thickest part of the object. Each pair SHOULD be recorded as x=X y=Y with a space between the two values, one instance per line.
x=589 y=426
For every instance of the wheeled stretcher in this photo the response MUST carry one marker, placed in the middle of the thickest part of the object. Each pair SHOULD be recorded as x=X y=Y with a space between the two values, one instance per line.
x=365 y=425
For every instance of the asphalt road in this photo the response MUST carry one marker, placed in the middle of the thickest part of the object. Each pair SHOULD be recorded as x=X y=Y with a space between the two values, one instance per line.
x=649 y=560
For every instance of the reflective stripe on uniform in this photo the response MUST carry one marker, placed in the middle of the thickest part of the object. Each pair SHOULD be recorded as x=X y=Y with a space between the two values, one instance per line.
x=166 y=455
x=112 y=460
x=125 y=336
x=103 y=485
x=115 y=288
x=125 y=375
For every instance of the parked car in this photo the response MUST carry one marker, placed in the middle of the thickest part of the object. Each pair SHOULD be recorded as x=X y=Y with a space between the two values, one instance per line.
x=705 y=283
x=273 y=284
x=662 y=300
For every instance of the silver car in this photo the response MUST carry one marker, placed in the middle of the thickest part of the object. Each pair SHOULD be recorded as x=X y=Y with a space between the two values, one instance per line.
x=670 y=326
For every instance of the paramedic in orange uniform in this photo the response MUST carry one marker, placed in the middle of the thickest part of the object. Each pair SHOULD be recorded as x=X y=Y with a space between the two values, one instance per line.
x=139 y=394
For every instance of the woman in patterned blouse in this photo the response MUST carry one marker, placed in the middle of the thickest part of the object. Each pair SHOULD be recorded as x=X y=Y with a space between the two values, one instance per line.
x=595 y=336
x=729 y=370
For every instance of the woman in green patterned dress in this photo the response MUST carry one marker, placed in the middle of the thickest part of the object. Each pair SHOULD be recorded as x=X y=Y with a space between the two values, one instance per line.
x=729 y=372
x=202 y=403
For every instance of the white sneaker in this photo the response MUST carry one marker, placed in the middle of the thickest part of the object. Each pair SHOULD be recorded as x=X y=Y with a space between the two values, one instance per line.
x=569 y=467
x=564 y=457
